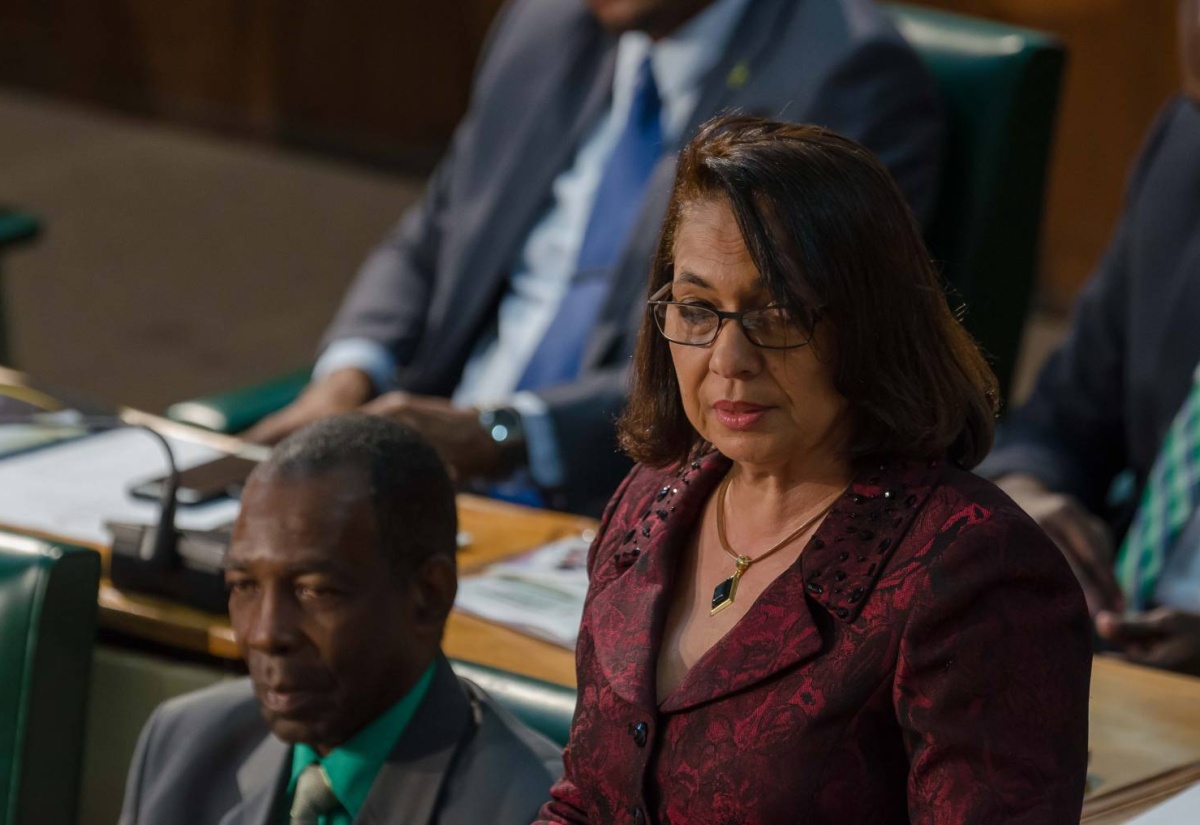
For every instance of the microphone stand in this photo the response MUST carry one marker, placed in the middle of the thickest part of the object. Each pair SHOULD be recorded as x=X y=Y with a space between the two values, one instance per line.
x=156 y=559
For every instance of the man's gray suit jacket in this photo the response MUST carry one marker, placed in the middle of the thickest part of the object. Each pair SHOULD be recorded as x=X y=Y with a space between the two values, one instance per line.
x=207 y=758
x=431 y=290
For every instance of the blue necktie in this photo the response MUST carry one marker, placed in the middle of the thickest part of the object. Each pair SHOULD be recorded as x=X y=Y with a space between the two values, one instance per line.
x=618 y=198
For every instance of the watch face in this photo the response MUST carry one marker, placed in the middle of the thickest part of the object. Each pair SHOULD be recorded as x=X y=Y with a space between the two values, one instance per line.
x=502 y=424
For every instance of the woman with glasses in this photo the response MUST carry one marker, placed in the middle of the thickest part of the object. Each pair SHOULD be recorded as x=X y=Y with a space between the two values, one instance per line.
x=803 y=607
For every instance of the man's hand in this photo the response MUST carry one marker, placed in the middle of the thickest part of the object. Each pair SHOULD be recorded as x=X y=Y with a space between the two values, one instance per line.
x=454 y=431
x=1084 y=540
x=1163 y=637
x=338 y=392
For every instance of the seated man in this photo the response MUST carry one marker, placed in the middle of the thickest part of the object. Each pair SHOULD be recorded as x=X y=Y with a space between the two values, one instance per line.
x=1123 y=394
x=506 y=304
x=341 y=575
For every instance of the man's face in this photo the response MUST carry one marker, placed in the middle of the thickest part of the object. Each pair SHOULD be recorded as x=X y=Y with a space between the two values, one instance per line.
x=330 y=635
x=658 y=18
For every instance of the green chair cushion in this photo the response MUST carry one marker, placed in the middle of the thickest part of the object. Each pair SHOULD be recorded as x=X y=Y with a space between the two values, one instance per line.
x=234 y=411
x=16 y=227
x=47 y=630
x=543 y=706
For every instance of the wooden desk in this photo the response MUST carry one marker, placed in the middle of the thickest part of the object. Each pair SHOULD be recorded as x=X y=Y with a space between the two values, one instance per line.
x=1145 y=739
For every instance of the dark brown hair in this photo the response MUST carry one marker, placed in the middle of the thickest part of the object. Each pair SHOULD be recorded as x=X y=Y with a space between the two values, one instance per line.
x=830 y=235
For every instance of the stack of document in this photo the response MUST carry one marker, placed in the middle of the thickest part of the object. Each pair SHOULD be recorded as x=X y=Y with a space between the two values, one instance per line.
x=1183 y=809
x=540 y=593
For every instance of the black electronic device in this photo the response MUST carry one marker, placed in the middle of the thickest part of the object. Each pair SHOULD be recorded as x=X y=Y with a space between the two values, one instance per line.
x=205 y=482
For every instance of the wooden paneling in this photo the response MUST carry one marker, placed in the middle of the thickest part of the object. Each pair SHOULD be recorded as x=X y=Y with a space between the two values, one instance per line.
x=383 y=79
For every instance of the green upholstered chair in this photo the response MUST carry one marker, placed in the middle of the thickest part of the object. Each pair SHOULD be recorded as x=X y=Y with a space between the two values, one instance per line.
x=1000 y=85
x=15 y=228
x=47 y=630
x=544 y=706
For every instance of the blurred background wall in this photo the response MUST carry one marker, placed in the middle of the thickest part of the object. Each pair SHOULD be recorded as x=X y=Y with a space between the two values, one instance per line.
x=339 y=109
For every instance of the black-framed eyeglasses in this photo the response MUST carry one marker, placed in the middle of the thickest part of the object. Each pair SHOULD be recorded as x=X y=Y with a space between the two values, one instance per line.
x=695 y=325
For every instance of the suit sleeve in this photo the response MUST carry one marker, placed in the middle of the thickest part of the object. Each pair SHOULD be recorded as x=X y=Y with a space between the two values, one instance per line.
x=136 y=781
x=992 y=681
x=1071 y=433
x=881 y=95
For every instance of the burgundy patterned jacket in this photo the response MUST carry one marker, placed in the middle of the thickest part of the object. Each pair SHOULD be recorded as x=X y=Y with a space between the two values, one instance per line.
x=925 y=660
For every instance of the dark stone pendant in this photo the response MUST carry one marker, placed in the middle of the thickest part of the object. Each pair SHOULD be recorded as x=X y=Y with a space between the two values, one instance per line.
x=725 y=592
x=723 y=595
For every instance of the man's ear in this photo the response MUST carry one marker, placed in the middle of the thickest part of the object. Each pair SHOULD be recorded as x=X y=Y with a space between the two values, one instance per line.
x=432 y=588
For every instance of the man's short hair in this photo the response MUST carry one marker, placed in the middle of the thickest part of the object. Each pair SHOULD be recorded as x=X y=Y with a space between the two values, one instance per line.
x=409 y=488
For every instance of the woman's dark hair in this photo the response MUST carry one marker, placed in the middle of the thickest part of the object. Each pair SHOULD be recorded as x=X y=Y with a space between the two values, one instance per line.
x=832 y=238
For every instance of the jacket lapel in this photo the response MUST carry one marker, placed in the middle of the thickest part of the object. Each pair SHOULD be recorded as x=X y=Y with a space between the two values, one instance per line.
x=636 y=602
x=835 y=573
x=407 y=787
x=756 y=32
x=259 y=779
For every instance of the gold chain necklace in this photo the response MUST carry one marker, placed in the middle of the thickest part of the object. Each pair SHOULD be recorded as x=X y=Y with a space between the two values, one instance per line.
x=724 y=593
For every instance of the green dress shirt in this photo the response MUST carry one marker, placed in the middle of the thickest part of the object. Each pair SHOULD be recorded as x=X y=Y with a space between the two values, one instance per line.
x=353 y=765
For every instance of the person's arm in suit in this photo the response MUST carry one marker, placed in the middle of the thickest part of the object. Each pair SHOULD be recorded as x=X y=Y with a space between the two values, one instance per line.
x=1058 y=454
x=992 y=678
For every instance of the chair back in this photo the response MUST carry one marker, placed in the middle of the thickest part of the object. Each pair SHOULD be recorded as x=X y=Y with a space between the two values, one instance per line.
x=15 y=228
x=543 y=706
x=1000 y=86
x=47 y=630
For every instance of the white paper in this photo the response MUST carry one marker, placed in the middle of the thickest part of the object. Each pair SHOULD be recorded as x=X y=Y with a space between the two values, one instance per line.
x=1182 y=809
x=540 y=593
x=72 y=489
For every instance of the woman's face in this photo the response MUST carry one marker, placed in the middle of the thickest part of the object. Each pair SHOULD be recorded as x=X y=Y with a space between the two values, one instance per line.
x=774 y=409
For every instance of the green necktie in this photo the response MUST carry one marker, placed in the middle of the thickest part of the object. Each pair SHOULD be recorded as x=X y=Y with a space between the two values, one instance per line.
x=1167 y=504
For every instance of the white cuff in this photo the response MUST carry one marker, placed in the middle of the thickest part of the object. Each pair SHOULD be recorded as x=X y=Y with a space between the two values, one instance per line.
x=371 y=357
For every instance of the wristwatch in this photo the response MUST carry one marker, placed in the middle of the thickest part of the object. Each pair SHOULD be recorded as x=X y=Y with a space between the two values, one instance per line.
x=503 y=425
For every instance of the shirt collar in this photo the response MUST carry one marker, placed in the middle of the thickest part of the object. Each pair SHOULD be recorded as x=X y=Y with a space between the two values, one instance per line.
x=353 y=765
x=679 y=62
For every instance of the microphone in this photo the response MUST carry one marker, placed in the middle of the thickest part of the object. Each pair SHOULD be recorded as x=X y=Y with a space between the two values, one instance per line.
x=158 y=559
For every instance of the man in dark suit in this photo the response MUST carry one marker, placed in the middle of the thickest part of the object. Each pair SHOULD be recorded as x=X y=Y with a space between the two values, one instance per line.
x=341 y=576
x=484 y=307
x=1118 y=401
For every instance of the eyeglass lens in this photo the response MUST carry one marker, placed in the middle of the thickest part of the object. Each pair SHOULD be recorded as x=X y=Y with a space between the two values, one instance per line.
x=771 y=327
